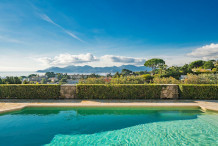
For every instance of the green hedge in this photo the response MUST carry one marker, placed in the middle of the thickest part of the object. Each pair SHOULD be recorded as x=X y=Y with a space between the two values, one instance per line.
x=118 y=91
x=30 y=91
x=198 y=91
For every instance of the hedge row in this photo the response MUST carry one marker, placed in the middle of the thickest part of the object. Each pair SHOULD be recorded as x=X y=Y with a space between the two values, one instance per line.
x=119 y=91
x=30 y=91
x=199 y=91
x=104 y=91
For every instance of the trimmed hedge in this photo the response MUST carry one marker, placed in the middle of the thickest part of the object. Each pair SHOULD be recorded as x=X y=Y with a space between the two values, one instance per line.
x=118 y=91
x=29 y=91
x=198 y=91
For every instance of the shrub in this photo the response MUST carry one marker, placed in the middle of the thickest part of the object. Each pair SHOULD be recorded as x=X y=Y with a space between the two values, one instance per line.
x=92 y=81
x=128 y=80
x=199 y=91
x=170 y=80
x=147 y=77
x=201 y=79
x=29 y=91
x=118 y=91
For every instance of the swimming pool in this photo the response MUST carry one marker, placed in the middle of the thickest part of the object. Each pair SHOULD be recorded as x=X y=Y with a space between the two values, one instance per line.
x=108 y=125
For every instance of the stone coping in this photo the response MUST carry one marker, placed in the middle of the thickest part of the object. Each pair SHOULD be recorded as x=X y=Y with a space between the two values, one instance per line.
x=7 y=105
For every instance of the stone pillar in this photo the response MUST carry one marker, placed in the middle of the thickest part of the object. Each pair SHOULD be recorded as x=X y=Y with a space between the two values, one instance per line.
x=68 y=91
x=170 y=91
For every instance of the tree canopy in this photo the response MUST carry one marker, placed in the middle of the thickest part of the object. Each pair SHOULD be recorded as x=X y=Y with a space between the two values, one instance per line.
x=196 y=64
x=208 y=65
x=154 y=63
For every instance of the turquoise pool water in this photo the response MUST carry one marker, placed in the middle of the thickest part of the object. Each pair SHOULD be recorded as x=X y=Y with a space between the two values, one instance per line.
x=109 y=126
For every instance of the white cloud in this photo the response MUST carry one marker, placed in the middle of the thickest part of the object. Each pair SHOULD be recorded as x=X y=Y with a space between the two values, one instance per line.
x=68 y=59
x=206 y=52
x=48 y=19
x=123 y=59
x=63 y=60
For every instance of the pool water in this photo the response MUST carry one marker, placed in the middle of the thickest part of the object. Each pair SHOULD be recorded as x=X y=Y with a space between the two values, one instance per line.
x=108 y=126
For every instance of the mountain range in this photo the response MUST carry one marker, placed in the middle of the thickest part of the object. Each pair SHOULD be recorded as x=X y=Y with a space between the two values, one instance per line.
x=90 y=69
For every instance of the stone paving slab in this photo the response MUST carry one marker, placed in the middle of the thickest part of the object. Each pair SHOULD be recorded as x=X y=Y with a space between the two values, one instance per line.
x=16 y=104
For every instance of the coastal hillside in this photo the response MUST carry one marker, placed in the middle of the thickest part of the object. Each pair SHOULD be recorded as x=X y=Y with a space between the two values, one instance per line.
x=90 y=69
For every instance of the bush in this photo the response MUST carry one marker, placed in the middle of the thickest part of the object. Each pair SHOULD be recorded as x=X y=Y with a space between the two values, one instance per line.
x=128 y=80
x=198 y=91
x=92 y=81
x=201 y=79
x=29 y=91
x=147 y=77
x=170 y=80
x=118 y=91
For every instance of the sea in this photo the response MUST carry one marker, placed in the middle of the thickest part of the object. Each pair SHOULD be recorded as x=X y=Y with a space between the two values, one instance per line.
x=4 y=74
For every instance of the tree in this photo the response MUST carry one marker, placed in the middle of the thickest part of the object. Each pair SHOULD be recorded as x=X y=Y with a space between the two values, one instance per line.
x=43 y=81
x=196 y=64
x=25 y=82
x=126 y=72
x=93 y=75
x=147 y=77
x=154 y=63
x=63 y=81
x=208 y=65
x=50 y=74
x=32 y=75
x=185 y=69
x=109 y=75
x=116 y=75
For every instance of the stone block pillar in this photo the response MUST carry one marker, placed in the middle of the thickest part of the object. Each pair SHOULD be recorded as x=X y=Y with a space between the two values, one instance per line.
x=170 y=91
x=68 y=91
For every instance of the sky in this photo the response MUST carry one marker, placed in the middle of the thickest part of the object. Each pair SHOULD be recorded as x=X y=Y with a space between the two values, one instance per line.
x=37 y=34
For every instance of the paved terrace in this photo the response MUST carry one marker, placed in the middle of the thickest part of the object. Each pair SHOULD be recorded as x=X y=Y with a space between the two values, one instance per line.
x=16 y=104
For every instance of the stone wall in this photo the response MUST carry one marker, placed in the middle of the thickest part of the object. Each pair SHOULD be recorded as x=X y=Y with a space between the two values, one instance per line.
x=170 y=92
x=68 y=91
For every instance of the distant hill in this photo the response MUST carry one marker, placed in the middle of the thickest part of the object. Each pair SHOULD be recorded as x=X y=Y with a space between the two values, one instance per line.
x=89 y=69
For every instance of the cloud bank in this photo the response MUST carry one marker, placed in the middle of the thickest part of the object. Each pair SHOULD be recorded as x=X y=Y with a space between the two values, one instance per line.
x=123 y=59
x=63 y=60
x=68 y=59
x=206 y=52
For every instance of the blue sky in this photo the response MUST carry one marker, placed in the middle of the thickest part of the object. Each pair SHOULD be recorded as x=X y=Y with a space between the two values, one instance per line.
x=35 y=34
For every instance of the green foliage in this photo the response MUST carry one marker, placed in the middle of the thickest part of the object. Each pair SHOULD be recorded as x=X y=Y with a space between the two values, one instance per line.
x=170 y=80
x=30 y=91
x=185 y=69
x=25 y=82
x=108 y=91
x=32 y=75
x=126 y=72
x=63 y=80
x=92 y=81
x=10 y=80
x=201 y=91
x=119 y=80
x=116 y=75
x=94 y=76
x=208 y=65
x=201 y=79
x=141 y=72
x=50 y=74
x=43 y=81
x=128 y=80
x=154 y=63
x=196 y=64
x=147 y=77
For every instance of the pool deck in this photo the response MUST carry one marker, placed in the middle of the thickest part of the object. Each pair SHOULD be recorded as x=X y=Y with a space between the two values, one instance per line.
x=7 y=105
